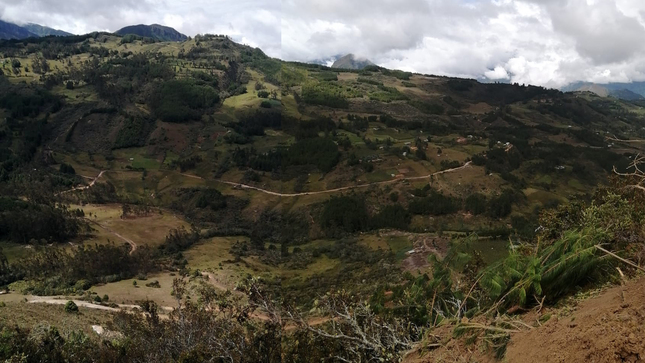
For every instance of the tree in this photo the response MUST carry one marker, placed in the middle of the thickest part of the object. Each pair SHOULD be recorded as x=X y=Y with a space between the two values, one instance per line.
x=71 y=307
x=66 y=169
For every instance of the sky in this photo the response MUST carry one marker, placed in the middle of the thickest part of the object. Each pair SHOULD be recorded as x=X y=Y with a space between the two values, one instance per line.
x=544 y=42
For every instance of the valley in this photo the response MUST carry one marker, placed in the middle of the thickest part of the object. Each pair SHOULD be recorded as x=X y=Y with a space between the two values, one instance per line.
x=199 y=185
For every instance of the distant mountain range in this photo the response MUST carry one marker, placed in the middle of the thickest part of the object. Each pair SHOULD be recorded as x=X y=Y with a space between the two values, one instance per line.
x=154 y=31
x=13 y=31
x=625 y=91
x=43 y=31
x=350 y=61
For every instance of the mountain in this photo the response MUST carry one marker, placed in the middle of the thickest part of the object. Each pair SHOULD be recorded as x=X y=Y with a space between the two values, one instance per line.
x=154 y=31
x=350 y=61
x=13 y=31
x=625 y=91
x=43 y=31
x=327 y=62
x=594 y=88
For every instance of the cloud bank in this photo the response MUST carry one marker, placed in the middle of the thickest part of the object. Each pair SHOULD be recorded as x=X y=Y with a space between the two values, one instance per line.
x=545 y=42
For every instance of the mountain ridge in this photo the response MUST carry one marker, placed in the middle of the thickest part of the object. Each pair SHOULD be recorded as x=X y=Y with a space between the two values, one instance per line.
x=12 y=31
x=154 y=31
x=350 y=61
x=626 y=91
x=43 y=31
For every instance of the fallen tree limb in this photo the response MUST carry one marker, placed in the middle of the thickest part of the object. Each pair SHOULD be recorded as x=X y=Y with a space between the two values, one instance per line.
x=620 y=258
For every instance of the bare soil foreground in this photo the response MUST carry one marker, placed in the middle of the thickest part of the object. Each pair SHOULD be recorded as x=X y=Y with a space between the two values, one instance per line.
x=609 y=327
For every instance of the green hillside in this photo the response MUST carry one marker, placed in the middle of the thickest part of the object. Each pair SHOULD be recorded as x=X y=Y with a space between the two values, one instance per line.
x=267 y=200
x=43 y=31
x=13 y=31
x=154 y=31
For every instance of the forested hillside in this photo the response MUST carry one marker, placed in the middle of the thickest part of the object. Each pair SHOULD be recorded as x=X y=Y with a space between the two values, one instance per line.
x=252 y=209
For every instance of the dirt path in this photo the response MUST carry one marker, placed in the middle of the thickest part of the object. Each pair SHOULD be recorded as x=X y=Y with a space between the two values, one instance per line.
x=85 y=186
x=246 y=186
x=62 y=300
x=125 y=239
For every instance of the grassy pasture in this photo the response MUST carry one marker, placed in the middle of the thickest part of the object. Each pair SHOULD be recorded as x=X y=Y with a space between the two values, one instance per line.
x=145 y=231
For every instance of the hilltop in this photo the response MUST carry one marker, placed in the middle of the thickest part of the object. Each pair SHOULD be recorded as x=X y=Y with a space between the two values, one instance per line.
x=350 y=61
x=13 y=31
x=626 y=91
x=43 y=31
x=154 y=31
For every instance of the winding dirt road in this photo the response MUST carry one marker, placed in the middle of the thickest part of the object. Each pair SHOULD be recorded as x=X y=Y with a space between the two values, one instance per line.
x=246 y=186
x=125 y=239
x=62 y=300
x=85 y=186
x=269 y=192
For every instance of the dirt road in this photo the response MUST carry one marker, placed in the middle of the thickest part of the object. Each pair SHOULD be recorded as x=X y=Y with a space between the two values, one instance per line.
x=62 y=300
x=85 y=186
x=125 y=239
x=245 y=186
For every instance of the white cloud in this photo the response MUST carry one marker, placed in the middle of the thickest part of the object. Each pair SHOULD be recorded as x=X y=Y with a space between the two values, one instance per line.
x=499 y=73
x=546 y=42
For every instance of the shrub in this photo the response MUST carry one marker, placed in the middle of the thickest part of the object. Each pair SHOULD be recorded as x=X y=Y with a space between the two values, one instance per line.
x=475 y=203
x=263 y=94
x=154 y=284
x=66 y=169
x=347 y=214
x=71 y=307
x=182 y=100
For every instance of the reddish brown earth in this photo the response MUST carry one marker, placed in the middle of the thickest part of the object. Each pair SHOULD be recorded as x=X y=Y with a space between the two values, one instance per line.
x=424 y=246
x=609 y=327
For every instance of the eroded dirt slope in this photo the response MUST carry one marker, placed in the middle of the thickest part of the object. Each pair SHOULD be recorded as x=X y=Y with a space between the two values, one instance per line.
x=606 y=328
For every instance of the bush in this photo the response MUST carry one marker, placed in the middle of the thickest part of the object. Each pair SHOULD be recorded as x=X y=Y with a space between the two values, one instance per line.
x=182 y=100
x=265 y=104
x=475 y=203
x=66 y=169
x=502 y=205
x=325 y=94
x=435 y=204
x=71 y=307
x=154 y=284
x=263 y=94
x=347 y=214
